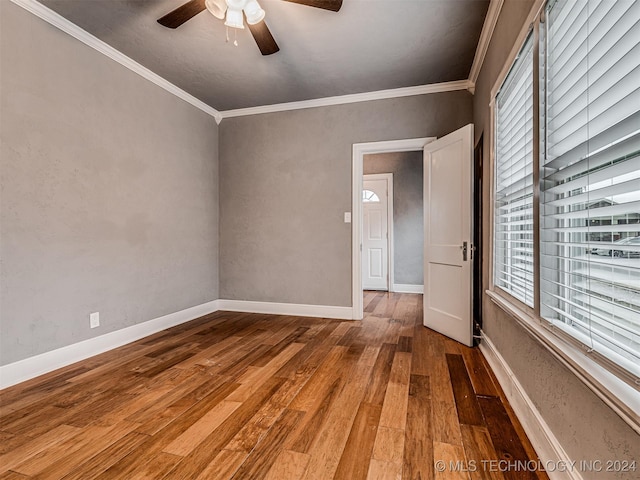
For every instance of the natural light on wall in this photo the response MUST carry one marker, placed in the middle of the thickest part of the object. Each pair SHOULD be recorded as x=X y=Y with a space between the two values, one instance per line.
x=590 y=175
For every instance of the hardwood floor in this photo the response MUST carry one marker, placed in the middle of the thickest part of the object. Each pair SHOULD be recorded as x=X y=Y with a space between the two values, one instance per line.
x=248 y=396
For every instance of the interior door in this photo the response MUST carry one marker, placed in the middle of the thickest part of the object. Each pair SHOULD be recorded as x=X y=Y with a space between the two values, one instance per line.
x=375 y=229
x=447 y=237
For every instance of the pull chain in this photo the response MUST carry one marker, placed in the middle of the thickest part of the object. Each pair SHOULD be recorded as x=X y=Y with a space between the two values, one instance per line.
x=235 y=36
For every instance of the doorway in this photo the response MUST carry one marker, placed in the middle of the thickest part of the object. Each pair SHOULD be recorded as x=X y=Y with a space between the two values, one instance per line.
x=377 y=231
x=359 y=151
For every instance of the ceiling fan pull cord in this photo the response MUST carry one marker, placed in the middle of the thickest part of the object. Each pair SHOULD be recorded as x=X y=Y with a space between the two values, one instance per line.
x=227 y=29
x=235 y=37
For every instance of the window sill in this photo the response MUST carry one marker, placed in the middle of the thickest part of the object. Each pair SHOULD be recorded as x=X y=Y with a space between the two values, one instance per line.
x=616 y=393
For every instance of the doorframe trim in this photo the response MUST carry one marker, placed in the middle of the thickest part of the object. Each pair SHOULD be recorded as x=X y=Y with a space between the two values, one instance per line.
x=359 y=151
x=388 y=177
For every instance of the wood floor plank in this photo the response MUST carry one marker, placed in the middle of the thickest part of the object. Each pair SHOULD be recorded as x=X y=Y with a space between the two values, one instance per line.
x=252 y=381
x=389 y=445
x=223 y=466
x=380 y=470
x=9 y=475
x=454 y=462
x=74 y=451
x=446 y=426
x=10 y=441
x=198 y=459
x=359 y=443
x=200 y=430
x=107 y=457
x=477 y=369
x=504 y=437
x=328 y=445
x=394 y=408
x=373 y=303
x=150 y=468
x=18 y=455
x=418 y=452
x=479 y=449
x=469 y=412
x=187 y=408
x=288 y=465
x=268 y=449
x=252 y=396
x=377 y=387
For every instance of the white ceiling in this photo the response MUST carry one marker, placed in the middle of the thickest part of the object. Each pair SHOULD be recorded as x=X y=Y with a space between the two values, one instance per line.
x=369 y=45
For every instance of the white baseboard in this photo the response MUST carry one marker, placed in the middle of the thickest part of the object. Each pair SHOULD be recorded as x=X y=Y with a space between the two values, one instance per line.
x=31 y=367
x=402 y=288
x=323 y=311
x=542 y=438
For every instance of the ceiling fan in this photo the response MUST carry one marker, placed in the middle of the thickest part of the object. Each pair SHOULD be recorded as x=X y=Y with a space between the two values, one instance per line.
x=236 y=12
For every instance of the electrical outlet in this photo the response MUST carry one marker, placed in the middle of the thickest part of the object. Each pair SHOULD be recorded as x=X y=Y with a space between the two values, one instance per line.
x=94 y=319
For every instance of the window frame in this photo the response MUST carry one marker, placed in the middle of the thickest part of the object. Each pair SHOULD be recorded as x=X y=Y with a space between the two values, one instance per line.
x=617 y=387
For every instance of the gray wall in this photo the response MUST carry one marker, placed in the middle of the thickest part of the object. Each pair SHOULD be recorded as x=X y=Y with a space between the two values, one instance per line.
x=108 y=193
x=286 y=183
x=584 y=425
x=408 y=225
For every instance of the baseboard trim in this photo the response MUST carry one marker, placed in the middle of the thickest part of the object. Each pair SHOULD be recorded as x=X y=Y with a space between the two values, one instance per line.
x=542 y=438
x=32 y=367
x=402 y=288
x=322 y=311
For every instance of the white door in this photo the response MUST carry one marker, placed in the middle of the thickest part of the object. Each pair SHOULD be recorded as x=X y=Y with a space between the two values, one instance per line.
x=375 y=229
x=447 y=235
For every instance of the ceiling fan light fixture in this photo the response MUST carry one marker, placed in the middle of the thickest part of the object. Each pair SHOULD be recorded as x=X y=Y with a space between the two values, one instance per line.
x=253 y=11
x=217 y=8
x=234 y=18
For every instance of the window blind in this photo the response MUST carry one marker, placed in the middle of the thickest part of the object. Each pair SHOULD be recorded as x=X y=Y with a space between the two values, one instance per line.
x=513 y=229
x=590 y=175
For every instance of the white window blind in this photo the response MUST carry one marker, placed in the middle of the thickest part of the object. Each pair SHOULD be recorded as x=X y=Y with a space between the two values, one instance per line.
x=590 y=177
x=513 y=228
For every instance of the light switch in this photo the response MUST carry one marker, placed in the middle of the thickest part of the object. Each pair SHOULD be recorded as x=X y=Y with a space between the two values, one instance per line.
x=347 y=217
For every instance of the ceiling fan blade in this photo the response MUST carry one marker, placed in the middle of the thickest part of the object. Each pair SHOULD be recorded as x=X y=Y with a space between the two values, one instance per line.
x=181 y=14
x=333 y=5
x=264 y=39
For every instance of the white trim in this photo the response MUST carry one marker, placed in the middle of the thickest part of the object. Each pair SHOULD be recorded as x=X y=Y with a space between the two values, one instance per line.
x=53 y=18
x=31 y=367
x=300 y=310
x=390 y=252
x=488 y=27
x=85 y=37
x=359 y=151
x=621 y=397
x=405 y=288
x=353 y=98
x=546 y=444
x=534 y=12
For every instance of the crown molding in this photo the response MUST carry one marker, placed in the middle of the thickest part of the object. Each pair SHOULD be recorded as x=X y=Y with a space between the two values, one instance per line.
x=353 y=98
x=483 y=43
x=58 y=21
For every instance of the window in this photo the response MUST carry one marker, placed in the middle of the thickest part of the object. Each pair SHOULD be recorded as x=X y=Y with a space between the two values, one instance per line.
x=369 y=197
x=590 y=185
x=585 y=269
x=513 y=234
